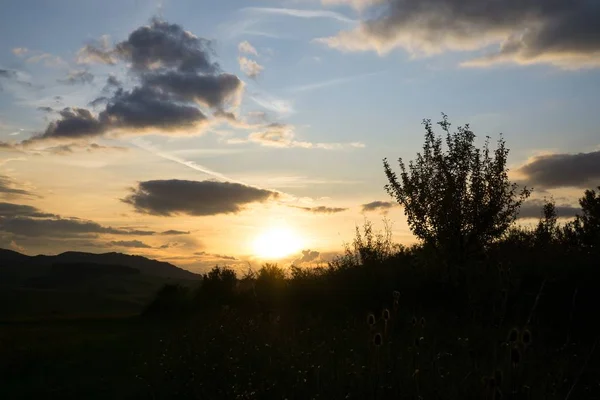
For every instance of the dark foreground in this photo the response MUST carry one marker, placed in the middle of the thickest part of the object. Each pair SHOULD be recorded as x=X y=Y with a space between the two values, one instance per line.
x=227 y=355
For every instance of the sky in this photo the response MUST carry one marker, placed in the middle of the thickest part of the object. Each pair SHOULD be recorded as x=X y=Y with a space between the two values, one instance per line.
x=238 y=131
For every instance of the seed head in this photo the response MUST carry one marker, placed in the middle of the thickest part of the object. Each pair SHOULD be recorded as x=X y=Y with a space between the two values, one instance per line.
x=377 y=339
x=385 y=314
x=371 y=320
x=423 y=322
x=513 y=335
x=396 y=295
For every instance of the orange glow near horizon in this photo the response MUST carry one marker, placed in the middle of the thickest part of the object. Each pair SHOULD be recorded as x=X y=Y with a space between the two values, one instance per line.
x=277 y=242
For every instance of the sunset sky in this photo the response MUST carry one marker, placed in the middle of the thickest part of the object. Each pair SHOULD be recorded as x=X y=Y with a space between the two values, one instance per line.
x=234 y=131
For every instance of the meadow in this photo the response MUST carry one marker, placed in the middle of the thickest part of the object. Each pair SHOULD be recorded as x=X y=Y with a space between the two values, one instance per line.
x=387 y=326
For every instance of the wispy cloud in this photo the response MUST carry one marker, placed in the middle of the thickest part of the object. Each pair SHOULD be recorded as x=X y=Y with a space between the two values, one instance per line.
x=278 y=105
x=331 y=82
x=300 y=13
x=145 y=145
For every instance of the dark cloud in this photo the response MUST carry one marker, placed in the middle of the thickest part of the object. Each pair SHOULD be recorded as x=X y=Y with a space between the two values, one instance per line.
x=219 y=256
x=112 y=83
x=8 y=74
x=580 y=170
x=22 y=210
x=60 y=227
x=213 y=91
x=24 y=220
x=46 y=109
x=166 y=45
x=534 y=209
x=74 y=123
x=77 y=78
x=98 y=101
x=145 y=108
x=563 y=33
x=157 y=45
x=134 y=244
x=173 y=232
x=168 y=197
x=322 y=209
x=383 y=206
x=174 y=75
x=307 y=257
x=8 y=187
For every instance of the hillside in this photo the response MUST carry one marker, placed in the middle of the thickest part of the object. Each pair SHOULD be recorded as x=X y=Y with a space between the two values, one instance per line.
x=81 y=284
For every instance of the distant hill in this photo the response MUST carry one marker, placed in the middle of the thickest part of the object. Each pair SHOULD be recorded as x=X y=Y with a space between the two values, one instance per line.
x=144 y=265
x=81 y=284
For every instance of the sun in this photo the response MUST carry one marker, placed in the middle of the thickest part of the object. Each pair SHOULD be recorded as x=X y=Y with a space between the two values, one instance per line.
x=277 y=242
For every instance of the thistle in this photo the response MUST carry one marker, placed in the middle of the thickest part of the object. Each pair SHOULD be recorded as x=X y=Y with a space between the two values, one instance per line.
x=377 y=339
x=513 y=336
x=385 y=314
x=526 y=338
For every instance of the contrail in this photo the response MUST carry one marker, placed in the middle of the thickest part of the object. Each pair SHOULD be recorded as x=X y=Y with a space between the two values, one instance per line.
x=144 y=145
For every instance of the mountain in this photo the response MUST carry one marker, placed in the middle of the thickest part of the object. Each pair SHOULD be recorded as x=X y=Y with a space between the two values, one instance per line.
x=143 y=264
x=81 y=284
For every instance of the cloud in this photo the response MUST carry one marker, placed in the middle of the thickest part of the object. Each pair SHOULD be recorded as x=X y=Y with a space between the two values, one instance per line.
x=215 y=91
x=22 y=210
x=197 y=198
x=39 y=57
x=155 y=46
x=77 y=78
x=322 y=209
x=174 y=76
x=145 y=108
x=246 y=48
x=250 y=67
x=308 y=256
x=9 y=188
x=383 y=206
x=74 y=123
x=561 y=33
x=298 y=13
x=534 y=209
x=65 y=149
x=580 y=170
x=134 y=244
x=28 y=221
x=283 y=135
x=8 y=74
x=217 y=256
x=173 y=232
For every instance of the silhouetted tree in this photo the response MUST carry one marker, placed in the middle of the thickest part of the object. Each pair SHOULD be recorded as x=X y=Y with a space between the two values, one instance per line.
x=585 y=229
x=218 y=287
x=457 y=199
x=547 y=229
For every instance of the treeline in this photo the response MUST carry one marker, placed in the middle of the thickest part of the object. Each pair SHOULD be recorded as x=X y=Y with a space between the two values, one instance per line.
x=473 y=261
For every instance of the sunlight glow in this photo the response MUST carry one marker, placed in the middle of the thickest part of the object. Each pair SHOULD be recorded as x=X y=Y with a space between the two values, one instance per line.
x=277 y=242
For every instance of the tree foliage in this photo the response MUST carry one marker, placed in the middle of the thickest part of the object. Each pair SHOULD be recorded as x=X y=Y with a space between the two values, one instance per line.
x=457 y=197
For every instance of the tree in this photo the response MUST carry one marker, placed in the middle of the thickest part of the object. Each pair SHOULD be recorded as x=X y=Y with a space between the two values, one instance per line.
x=585 y=229
x=457 y=199
x=547 y=229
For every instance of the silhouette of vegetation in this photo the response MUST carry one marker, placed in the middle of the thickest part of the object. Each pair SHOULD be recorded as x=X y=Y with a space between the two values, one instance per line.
x=457 y=200
x=380 y=321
